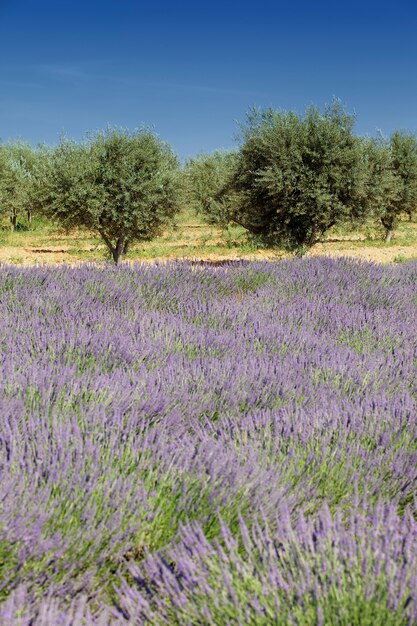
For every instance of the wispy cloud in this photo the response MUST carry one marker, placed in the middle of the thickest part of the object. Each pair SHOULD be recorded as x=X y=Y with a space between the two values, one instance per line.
x=183 y=87
x=61 y=71
x=19 y=84
x=95 y=72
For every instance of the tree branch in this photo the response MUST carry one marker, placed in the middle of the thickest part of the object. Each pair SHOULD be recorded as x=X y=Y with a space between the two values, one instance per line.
x=106 y=241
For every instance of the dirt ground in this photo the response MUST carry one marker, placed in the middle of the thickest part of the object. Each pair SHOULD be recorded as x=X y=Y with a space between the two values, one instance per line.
x=26 y=256
x=368 y=253
x=52 y=255
x=195 y=240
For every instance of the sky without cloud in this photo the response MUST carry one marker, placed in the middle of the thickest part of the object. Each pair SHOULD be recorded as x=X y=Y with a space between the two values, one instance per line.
x=190 y=70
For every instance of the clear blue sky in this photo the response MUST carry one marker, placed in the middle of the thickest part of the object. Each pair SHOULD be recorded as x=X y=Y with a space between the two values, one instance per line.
x=190 y=70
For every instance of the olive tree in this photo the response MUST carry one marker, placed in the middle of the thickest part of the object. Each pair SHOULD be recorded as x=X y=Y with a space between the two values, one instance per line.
x=404 y=166
x=122 y=185
x=381 y=188
x=206 y=176
x=16 y=161
x=38 y=180
x=297 y=176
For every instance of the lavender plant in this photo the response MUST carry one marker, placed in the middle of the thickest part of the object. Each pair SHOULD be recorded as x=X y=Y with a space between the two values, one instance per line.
x=185 y=444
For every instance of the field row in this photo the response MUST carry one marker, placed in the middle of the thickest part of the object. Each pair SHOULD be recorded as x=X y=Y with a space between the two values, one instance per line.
x=196 y=445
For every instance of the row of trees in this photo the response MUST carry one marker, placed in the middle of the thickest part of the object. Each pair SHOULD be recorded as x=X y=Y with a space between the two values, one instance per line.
x=124 y=186
x=295 y=177
x=292 y=179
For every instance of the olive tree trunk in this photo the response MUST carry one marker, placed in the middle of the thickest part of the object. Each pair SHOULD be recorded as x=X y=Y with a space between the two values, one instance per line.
x=389 y=223
x=388 y=234
x=13 y=220
x=117 y=250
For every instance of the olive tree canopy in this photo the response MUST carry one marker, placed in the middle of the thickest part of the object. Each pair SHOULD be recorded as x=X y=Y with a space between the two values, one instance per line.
x=122 y=185
x=16 y=165
x=206 y=177
x=297 y=176
x=403 y=148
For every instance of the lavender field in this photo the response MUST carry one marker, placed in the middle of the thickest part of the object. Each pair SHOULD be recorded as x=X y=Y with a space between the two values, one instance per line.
x=194 y=445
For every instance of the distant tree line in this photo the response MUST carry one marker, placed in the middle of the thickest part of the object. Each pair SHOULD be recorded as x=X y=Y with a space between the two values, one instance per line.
x=291 y=179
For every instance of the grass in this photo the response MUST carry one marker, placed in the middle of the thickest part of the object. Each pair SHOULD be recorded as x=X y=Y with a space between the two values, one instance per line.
x=43 y=242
